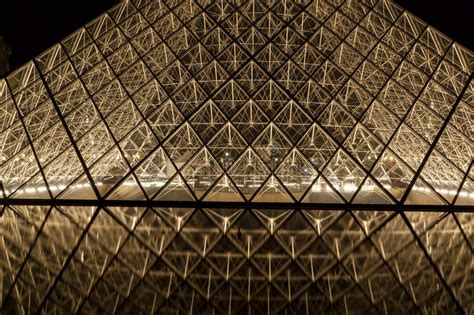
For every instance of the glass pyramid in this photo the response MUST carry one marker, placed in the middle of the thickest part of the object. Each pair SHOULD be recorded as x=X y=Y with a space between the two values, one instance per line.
x=230 y=157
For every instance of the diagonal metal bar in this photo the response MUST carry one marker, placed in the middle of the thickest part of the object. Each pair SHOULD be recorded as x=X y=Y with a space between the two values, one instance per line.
x=436 y=139
x=432 y=263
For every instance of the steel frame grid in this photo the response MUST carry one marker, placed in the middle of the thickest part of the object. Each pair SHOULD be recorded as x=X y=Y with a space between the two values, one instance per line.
x=349 y=206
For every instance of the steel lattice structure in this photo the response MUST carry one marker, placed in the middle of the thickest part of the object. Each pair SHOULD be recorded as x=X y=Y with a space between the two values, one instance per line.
x=227 y=157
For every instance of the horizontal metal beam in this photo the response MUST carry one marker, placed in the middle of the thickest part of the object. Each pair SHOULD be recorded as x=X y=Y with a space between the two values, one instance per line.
x=234 y=205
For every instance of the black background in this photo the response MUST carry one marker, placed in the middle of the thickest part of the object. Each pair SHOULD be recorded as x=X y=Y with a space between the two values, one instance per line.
x=31 y=26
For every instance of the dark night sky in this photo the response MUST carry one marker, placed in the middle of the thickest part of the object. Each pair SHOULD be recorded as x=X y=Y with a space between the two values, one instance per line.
x=31 y=26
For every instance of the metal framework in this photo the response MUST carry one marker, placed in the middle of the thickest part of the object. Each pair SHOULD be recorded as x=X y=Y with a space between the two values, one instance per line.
x=227 y=157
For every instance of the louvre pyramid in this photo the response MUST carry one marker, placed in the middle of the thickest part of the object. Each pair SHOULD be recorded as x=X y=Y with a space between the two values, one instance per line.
x=230 y=157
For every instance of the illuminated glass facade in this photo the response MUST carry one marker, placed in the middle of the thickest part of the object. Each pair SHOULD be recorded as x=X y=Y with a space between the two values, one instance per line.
x=230 y=157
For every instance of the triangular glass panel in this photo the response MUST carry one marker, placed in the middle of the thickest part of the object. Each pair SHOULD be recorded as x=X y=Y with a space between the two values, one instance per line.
x=33 y=189
x=175 y=189
x=127 y=190
x=129 y=216
x=272 y=146
x=313 y=98
x=272 y=219
x=248 y=173
x=272 y=191
x=175 y=217
x=108 y=171
x=370 y=193
x=189 y=97
x=79 y=189
x=248 y=233
x=165 y=119
x=445 y=183
x=155 y=172
x=224 y=190
x=212 y=77
x=226 y=145
x=251 y=77
x=321 y=192
x=223 y=218
x=205 y=280
x=292 y=282
x=181 y=257
x=344 y=235
x=270 y=58
x=227 y=265
x=250 y=120
x=296 y=173
x=138 y=144
x=182 y=145
x=154 y=232
x=422 y=194
x=293 y=121
x=371 y=220
x=393 y=174
x=316 y=260
x=271 y=98
x=200 y=232
x=337 y=121
x=344 y=174
x=321 y=219
x=207 y=120
x=201 y=172
x=230 y=98
x=295 y=234
x=363 y=146
x=271 y=259
x=317 y=146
